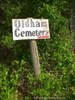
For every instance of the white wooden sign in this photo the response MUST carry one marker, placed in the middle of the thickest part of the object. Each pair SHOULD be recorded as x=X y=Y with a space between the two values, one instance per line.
x=30 y=29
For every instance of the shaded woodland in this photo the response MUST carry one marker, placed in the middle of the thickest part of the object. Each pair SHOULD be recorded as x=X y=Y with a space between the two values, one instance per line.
x=57 y=54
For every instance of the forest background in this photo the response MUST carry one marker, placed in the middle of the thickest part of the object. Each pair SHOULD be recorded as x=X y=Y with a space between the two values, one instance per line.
x=57 y=78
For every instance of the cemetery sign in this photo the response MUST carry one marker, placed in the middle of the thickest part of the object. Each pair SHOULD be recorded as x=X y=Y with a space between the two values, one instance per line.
x=30 y=29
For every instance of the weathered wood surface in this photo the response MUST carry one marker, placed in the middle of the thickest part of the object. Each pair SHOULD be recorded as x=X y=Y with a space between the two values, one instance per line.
x=35 y=57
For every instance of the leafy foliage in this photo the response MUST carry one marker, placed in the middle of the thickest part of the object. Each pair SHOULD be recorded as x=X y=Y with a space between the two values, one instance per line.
x=57 y=78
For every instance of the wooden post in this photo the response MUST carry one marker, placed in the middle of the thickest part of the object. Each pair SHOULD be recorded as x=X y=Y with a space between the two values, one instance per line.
x=35 y=57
